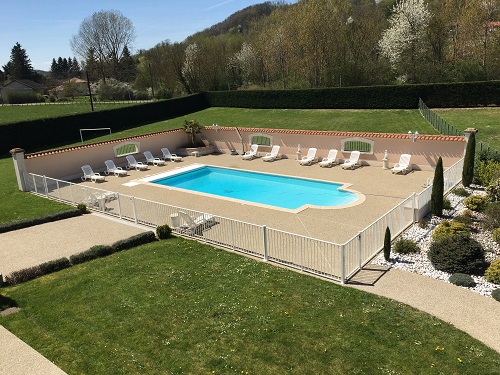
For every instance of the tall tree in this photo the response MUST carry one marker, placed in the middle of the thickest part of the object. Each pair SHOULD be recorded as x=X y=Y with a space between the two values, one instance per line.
x=470 y=154
x=437 y=195
x=75 y=69
x=127 y=67
x=19 y=65
x=106 y=33
x=403 y=41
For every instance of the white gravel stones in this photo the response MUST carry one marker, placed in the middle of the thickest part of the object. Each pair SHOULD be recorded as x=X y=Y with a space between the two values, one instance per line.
x=420 y=264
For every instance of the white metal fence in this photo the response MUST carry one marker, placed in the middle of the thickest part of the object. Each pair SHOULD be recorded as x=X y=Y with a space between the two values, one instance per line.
x=327 y=259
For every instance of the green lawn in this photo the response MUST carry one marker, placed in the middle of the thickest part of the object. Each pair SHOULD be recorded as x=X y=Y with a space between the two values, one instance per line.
x=180 y=307
x=10 y=114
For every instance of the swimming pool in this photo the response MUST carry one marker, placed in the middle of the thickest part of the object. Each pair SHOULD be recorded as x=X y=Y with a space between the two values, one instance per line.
x=274 y=190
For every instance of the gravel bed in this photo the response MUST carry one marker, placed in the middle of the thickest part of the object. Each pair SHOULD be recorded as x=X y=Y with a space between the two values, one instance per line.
x=420 y=263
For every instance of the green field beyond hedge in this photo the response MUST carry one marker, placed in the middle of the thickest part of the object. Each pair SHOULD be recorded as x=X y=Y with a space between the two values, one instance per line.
x=180 y=307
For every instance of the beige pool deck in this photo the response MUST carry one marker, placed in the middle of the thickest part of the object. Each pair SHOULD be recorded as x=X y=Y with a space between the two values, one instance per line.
x=380 y=191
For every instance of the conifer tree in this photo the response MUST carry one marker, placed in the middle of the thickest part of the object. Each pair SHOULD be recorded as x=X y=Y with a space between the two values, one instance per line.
x=19 y=65
x=437 y=196
x=470 y=152
x=387 y=244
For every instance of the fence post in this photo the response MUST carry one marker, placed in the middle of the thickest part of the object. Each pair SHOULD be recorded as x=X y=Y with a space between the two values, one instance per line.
x=118 y=198
x=342 y=264
x=264 y=231
x=360 y=250
x=413 y=205
x=34 y=184
x=58 y=189
x=45 y=186
x=134 y=210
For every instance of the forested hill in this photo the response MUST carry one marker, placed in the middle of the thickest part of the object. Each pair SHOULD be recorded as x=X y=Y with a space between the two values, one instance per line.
x=240 y=20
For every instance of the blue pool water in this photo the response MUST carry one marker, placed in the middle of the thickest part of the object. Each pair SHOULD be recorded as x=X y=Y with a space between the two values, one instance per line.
x=274 y=190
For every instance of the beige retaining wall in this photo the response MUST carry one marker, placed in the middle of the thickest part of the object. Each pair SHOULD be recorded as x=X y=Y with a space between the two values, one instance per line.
x=66 y=163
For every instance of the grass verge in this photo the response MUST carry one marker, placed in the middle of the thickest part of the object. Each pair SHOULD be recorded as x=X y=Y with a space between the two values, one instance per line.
x=180 y=307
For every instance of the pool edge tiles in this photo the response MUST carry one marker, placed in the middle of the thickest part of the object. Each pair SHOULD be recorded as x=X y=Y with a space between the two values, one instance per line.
x=154 y=180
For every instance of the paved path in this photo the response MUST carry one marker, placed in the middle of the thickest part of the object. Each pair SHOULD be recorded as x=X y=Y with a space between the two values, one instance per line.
x=477 y=315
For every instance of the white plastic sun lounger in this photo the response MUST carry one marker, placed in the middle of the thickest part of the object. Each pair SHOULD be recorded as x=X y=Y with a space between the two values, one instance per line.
x=168 y=156
x=89 y=174
x=150 y=159
x=197 y=224
x=309 y=158
x=138 y=165
x=352 y=162
x=250 y=154
x=112 y=168
x=403 y=165
x=273 y=155
x=330 y=160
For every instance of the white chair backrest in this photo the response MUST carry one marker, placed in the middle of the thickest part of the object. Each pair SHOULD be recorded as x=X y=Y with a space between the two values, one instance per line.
x=110 y=164
x=131 y=159
x=311 y=153
x=148 y=155
x=87 y=170
x=332 y=154
x=188 y=219
x=253 y=149
x=404 y=159
x=354 y=156
x=275 y=150
x=166 y=151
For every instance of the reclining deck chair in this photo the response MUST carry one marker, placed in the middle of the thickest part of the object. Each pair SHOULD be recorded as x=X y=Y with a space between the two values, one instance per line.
x=88 y=173
x=330 y=159
x=250 y=154
x=403 y=165
x=273 y=155
x=138 y=165
x=150 y=159
x=309 y=158
x=352 y=162
x=112 y=168
x=169 y=156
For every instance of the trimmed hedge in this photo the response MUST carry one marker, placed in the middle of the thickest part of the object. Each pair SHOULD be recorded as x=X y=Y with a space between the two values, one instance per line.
x=31 y=273
x=15 y=225
x=94 y=252
x=139 y=239
x=44 y=133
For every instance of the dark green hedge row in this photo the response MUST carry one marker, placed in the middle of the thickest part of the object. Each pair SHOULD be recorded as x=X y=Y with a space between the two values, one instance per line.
x=45 y=133
x=15 y=225
x=373 y=97
x=94 y=252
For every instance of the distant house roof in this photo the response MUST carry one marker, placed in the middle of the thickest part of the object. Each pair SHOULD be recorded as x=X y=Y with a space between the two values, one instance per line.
x=25 y=82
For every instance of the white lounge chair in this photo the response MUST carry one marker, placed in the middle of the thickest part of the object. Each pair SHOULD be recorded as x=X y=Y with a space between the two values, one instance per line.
x=150 y=159
x=250 y=154
x=403 y=165
x=330 y=159
x=138 y=165
x=112 y=168
x=196 y=225
x=98 y=199
x=273 y=155
x=309 y=158
x=89 y=174
x=352 y=162
x=169 y=156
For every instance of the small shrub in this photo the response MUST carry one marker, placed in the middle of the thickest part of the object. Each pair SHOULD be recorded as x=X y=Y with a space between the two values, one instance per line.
x=94 y=252
x=458 y=253
x=496 y=295
x=450 y=228
x=54 y=265
x=423 y=224
x=462 y=279
x=493 y=191
x=82 y=208
x=464 y=219
x=406 y=246
x=495 y=235
x=163 y=232
x=461 y=192
x=475 y=202
x=491 y=219
x=139 y=239
x=492 y=273
x=487 y=171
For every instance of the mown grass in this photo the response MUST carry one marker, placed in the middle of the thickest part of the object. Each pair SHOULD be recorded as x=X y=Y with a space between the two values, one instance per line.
x=9 y=114
x=180 y=307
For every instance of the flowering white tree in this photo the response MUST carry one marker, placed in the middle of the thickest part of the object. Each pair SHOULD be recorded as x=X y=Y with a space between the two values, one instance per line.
x=404 y=39
x=246 y=61
x=190 y=69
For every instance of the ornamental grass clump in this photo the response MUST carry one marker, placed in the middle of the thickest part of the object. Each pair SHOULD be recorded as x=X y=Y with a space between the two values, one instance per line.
x=458 y=253
x=406 y=246
x=475 y=202
x=460 y=192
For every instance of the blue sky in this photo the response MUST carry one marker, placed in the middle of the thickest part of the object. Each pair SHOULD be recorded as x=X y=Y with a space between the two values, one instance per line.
x=44 y=28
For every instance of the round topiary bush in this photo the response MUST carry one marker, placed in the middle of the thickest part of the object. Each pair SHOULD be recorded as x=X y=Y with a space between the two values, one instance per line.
x=496 y=294
x=406 y=246
x=450 y=228
x=163 y=231
x=492 y=273
x=82 y=207
x=458 y=253
x=461 y=279
x=475 y=202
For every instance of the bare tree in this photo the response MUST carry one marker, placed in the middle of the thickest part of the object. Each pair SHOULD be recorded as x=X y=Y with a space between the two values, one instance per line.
x=106 y=33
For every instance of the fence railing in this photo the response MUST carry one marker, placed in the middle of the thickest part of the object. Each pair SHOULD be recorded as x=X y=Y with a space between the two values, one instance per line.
x=437 y=122
x=327 y=259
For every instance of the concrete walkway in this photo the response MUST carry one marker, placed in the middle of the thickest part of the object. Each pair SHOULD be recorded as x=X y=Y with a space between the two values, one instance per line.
x=477 y=315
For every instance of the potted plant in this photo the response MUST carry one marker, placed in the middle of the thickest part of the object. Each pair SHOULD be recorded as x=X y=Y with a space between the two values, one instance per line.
x=193 y=127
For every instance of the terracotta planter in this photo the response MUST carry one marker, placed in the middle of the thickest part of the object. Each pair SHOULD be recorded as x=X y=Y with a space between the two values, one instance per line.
x=187 y=151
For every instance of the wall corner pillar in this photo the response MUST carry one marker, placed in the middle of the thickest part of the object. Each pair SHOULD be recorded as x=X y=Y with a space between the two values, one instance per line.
x=20 y=167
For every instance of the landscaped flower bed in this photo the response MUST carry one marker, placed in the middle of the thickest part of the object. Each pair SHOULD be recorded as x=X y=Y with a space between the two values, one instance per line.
x=422 y=232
